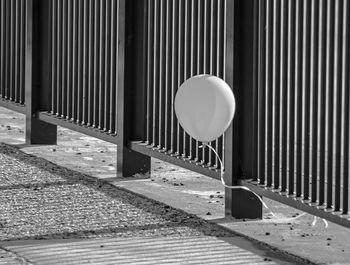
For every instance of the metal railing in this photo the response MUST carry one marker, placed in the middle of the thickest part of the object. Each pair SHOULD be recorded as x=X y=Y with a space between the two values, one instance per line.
x=303 y=101
x=184 y=38
x=111 y=69
x=84 y=62
x=12 y=50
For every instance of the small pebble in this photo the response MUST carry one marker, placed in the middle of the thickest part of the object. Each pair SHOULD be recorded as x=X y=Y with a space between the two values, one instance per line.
x=208 y=213
x=329 y=238
x=267 y=233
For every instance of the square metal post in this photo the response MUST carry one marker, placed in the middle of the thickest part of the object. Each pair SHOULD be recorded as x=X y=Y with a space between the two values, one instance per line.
x=37 y=132
x=239 y=138
x=131 y=87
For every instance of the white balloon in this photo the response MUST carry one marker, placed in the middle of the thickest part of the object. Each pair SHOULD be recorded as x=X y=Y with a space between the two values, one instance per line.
x=205 y=106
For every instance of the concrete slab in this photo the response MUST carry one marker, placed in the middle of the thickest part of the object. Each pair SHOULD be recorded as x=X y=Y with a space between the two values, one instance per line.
x=168 y=250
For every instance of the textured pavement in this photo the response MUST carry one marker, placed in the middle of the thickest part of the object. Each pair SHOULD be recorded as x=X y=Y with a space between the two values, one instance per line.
x=287 y=230
x=98 y=223
x=40 y=200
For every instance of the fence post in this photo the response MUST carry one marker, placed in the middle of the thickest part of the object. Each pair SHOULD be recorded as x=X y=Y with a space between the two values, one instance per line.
x=239 y=138
x=131 y=92
x=37 y=132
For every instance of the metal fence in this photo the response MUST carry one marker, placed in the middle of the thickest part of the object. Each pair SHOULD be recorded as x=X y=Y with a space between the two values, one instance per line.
x=84 y=62
x=303 y=102
x=184 y=38
x=12 y=50
x=111 y=69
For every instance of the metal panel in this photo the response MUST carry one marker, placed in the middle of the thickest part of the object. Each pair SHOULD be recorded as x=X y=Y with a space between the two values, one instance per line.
x=184 y=38
x=84 y=62
x=303 y=101
x=12 y=45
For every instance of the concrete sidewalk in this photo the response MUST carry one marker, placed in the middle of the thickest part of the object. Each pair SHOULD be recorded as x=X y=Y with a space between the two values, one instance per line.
x=287 y=230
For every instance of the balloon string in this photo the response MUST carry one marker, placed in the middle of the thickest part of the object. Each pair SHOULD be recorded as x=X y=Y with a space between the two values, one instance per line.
x=223 y=180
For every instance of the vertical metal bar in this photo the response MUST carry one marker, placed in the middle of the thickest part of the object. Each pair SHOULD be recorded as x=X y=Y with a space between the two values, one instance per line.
x=291 y=93
x=161 y=89
x=80 y=65
x=112 y=104
x=269 y=103
x=200 y=61
x=85 y=66
x=219 y=55
x=180 y=67
x=185 y=68
x=91 y=63
x=209 y=52
x=69 y=85
x=174 y=71
x=107 y=64
x=7 y=50
x=192 y=70
x=17 y=49
x=12 y=51
x=306 y=98
x=205 y=62
x=1 y=45
x=54 y=58
x=298 y=96
x=255 y=93
x=314 y=97
x=59 y=58
x=150 y=58
x=337 y=112
x=330 y=100
x=64 y=60
x=156 y=55
x=261 y=92
x=96 y=74
x=220 y=44
x=75 y=62
x=276 y=91
x=322 y=99
x=226 y=52
x=168 y=73
x=284 y=93
x=119 y=67
x=2 y=48
x=102 y=66
x=22 y=52
x=345 y=96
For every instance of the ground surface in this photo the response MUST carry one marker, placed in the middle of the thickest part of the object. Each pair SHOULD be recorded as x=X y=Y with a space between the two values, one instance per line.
x=286 y=229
